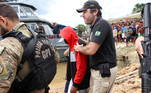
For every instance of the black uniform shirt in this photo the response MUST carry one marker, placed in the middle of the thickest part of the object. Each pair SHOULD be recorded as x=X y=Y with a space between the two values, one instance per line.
x=101 y=33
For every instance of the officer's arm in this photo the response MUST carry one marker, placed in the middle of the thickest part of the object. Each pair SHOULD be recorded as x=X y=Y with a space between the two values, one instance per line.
x=138 y=46
x=10 y=55
x=89 y=49
x=98 y=36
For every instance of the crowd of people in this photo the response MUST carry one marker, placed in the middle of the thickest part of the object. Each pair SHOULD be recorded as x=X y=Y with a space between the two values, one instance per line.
x=127 y=31
x=94 y=58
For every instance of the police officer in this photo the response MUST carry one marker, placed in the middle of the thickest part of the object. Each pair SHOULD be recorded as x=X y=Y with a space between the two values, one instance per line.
x=11 y=49
x=101 y=48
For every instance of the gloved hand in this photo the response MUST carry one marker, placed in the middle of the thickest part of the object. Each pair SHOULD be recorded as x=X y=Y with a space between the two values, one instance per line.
x=81 y=42
x=104 y=70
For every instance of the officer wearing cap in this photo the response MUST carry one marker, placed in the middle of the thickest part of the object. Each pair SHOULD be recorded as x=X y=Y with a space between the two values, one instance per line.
x=101 y=48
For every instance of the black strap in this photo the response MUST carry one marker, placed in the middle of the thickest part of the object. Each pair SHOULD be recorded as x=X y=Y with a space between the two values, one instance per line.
x=30 y=46
x=29 y=50
x=22 y=38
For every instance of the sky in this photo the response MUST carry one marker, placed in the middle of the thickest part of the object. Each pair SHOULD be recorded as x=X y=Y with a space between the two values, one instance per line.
x=64 y=11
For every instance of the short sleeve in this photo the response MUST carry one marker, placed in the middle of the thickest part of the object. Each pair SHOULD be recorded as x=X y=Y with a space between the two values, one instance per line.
x=100 y=32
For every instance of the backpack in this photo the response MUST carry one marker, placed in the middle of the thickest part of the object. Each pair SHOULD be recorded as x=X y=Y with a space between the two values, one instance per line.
x=39 y=54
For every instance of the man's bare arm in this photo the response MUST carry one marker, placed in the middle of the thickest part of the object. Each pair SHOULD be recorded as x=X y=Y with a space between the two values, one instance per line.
x=89 y=49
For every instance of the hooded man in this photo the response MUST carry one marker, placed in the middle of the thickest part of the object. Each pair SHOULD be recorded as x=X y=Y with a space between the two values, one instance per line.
x=79 y=69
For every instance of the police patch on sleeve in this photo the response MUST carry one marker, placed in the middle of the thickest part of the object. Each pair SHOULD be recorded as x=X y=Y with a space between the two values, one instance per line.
x=97 y=33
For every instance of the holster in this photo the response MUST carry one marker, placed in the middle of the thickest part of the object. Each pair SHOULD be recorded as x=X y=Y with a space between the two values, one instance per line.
x=104 y=70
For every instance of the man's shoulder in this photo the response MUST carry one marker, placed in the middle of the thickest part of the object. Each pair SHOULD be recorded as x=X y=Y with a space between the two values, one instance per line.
x=103 y=21
x=10 y=41
x=12 y=44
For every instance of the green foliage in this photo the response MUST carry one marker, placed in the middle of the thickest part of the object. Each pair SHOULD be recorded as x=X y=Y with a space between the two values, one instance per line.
x=81 y=28
x=138 y=7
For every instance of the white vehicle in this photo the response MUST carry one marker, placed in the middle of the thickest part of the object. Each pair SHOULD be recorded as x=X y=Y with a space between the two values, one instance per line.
x=27 y=15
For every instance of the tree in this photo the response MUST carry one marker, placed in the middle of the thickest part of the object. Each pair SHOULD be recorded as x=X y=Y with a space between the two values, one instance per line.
x=138 y=7
x=80 y=28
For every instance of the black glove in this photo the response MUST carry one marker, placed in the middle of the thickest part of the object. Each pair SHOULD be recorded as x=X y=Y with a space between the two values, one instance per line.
x=80 y=41
x=104 y=70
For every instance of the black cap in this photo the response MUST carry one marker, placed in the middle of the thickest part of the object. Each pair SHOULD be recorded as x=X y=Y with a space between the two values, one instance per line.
x=91 y=4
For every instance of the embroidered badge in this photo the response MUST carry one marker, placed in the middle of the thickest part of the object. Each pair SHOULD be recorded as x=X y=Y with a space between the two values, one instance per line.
x=97 y=33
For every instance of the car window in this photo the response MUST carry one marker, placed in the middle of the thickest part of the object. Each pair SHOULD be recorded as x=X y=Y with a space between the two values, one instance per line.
x=47 y=29
x=32 y=26
x=24 y=11
x=15 y=7
x=27 y=11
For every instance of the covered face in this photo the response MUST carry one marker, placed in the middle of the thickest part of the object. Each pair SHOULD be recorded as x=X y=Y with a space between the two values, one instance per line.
x=69 y=36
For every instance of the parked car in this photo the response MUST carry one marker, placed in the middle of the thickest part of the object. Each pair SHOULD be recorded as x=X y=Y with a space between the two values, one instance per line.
x=27 y=15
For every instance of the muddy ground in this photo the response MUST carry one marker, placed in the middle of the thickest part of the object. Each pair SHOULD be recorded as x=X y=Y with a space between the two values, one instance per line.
x=127 y=80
